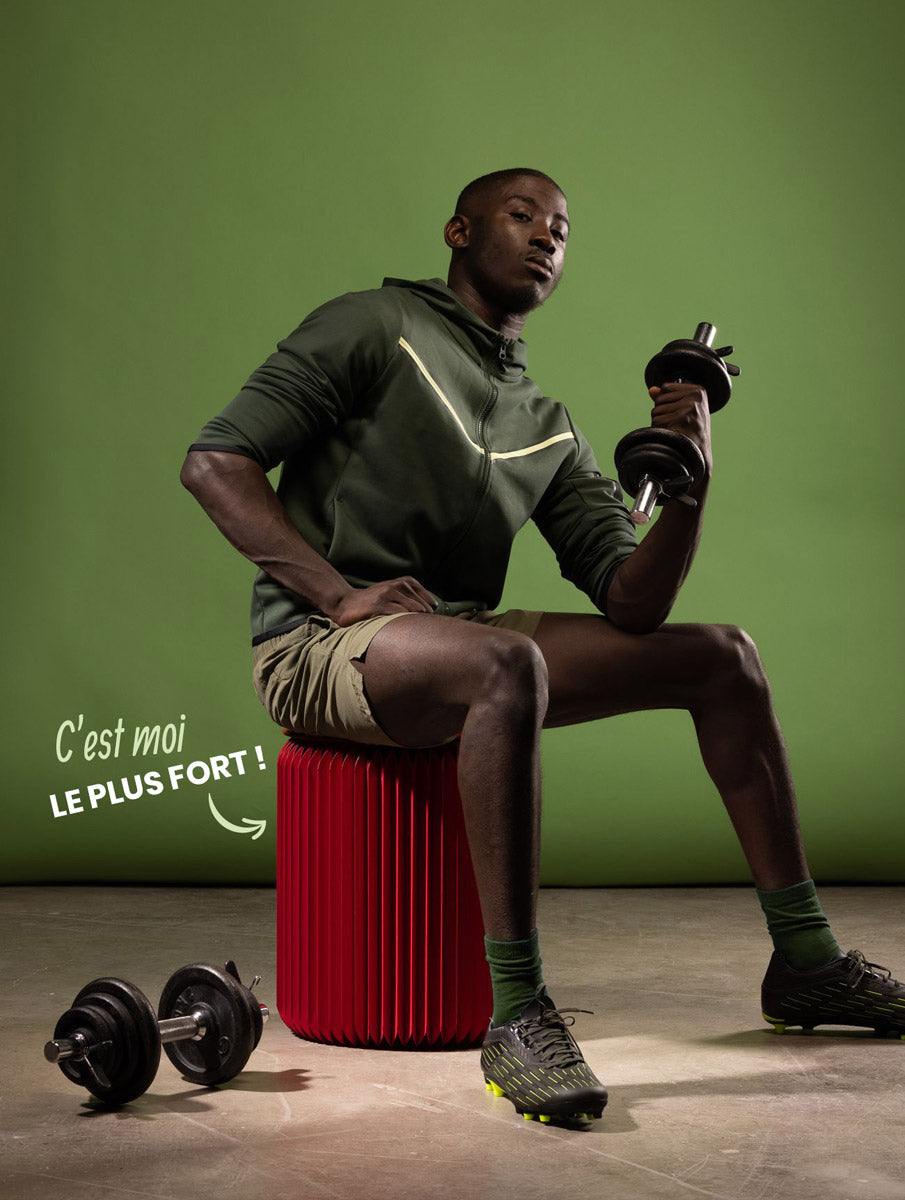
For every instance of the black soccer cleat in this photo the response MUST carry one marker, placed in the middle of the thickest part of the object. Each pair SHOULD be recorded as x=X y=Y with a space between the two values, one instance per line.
x=847 y=991
x=535 y=1062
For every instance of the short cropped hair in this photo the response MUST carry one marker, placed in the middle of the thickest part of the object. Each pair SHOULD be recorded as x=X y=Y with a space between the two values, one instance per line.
x=479 y=187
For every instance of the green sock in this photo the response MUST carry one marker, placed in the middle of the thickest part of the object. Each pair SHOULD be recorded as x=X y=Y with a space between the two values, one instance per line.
x=515 y=974
x=798 y=927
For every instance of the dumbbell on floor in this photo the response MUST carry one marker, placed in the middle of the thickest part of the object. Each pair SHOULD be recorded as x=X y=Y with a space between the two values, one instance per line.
x=109 y=1041
x=656 y=464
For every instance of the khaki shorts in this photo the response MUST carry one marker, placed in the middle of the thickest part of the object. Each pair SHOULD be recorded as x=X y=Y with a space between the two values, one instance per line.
x=306 y=681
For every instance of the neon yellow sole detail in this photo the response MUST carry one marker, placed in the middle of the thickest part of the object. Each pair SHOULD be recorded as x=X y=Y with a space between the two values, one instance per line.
x=544 y=1117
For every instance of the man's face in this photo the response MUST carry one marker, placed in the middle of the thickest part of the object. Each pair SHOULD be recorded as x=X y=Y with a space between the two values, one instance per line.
x=514 y=242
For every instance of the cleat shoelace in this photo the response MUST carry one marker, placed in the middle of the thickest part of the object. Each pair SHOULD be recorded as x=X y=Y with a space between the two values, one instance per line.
x=548 y=1037
x=861 y=967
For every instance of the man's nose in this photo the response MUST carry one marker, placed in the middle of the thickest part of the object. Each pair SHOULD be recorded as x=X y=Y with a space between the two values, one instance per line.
x=543 y=239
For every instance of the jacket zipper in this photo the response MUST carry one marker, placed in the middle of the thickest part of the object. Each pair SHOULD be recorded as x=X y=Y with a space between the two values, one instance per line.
x=487 y=467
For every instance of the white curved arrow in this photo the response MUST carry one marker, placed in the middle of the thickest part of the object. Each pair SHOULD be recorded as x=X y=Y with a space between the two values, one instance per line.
x=248 y=826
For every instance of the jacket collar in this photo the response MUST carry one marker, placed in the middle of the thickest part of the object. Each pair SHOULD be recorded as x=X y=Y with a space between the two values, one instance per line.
x=508 y=357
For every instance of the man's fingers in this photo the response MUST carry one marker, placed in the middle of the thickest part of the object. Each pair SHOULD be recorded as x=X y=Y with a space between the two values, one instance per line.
x=675 y=385
x=420 y=591
x=675 y=393
x=404 y=594
x=672 y=410
x=669 y=416
x=686 y=406
x=411 y=596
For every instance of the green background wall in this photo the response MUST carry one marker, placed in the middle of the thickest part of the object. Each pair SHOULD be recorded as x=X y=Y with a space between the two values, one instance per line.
x=185 y=181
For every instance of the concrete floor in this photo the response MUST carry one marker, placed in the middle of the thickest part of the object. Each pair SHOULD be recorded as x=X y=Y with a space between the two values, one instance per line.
x=705 y=1100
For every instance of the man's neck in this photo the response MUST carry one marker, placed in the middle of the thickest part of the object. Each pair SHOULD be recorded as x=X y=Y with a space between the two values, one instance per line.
x=510 y=324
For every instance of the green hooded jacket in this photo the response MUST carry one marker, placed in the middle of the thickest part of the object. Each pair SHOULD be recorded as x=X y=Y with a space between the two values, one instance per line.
x=413 y=443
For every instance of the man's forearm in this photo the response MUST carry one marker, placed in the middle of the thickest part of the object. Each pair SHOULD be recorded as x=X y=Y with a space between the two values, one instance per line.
x=645 y=585
x=235 y=493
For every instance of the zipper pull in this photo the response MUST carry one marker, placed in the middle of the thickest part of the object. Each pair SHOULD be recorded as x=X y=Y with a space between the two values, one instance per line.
x=502 y=356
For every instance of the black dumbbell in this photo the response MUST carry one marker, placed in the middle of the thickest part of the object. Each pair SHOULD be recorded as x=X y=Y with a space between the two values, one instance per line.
x=657 y=464
x=109 y=1041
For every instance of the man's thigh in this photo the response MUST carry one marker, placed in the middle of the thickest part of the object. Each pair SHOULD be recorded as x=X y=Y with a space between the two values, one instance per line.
x=596 y=670
x=422 y=672
x=366 y=683
x=307 y=681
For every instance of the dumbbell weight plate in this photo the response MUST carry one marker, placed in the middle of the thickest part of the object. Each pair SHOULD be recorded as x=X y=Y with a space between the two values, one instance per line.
x=232 y=1026
x=671 y=458
x=118 y=1021
x=689 y=360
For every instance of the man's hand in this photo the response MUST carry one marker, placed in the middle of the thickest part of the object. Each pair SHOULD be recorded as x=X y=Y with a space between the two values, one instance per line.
x=394 y=595
x=646 y=584
x=683 y=408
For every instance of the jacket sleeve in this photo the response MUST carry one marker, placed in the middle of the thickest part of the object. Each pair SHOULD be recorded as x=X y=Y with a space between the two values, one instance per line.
x=310 y=384
x=582 y=516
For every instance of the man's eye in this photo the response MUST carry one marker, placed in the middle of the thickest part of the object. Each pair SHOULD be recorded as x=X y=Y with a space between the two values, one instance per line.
x=558 y=233
x=521 y=216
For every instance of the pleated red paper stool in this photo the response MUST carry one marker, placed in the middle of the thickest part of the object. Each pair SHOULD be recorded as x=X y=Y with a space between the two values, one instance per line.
x=379 y=931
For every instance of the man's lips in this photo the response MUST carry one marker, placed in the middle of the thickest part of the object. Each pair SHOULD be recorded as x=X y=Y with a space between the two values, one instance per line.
x=544 y=264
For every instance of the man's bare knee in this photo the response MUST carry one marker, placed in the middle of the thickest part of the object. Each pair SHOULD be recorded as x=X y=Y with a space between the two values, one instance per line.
x=735 y=662
x=512 y=668
x=423 y=674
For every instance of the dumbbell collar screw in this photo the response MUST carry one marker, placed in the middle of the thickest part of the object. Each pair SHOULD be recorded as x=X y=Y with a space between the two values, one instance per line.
x=75 y=1047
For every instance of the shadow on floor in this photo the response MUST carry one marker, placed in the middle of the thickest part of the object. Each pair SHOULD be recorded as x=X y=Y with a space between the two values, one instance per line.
x=193 y=1101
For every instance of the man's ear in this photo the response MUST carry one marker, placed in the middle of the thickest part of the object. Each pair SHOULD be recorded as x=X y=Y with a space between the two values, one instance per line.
x=457 y=231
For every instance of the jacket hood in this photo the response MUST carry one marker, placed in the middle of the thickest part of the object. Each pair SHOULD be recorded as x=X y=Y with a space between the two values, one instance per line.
x=489 y=343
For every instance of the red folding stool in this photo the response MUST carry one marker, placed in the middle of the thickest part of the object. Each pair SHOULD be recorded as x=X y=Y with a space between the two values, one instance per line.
x=379 y=931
